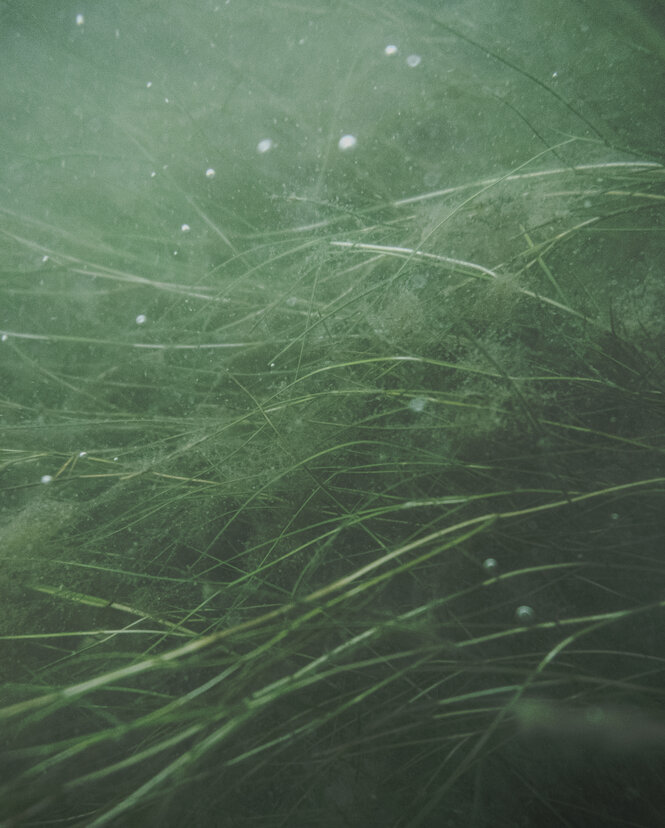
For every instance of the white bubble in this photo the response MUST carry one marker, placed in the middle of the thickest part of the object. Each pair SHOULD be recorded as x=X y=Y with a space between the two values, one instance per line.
x=417 y=404
x=264 y=145
x=490 y=564
x=413 y=60
x=347 y=142
x=4 y=338
x=390 y=49
x=47 y=478
x=141 y=319
x=148 y=84
x=83 y=453
x=80 y=20
x=210 y=173
x=525 y=614
x=185 y=228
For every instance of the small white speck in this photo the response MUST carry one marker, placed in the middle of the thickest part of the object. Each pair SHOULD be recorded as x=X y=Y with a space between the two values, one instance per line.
x=141 y=319
x=83 y=453
x=185 y=228
x=80 y=20
x=148 y=85
x=47 y=478
x=210 y=173
x=413 y=60
x=525 y=614
x=391 y=49
x=417 y=404
x=347 y=142
x=264 y=145
x=4 y=338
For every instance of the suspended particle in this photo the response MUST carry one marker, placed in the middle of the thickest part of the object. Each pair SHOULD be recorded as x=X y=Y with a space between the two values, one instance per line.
x=417 y=404
x=141 y=319
x=185 y=228
x=525 y=614
x=347 y=142
x=210 y=173
x=390 y=49
x=80 y=20
x=47 y=478
x=265 y=145
x=413 y=60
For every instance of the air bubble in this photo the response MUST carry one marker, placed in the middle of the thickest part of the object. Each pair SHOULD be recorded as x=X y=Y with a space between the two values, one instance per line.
x=47 y=478
x=265 y=145
x=347 y=142
x=390 y=49
x=141 y=319
x=210 y=173
x=525 y=614
x=413 y=60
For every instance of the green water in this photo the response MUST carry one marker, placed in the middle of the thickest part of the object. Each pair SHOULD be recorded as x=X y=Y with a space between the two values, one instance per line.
x=331 y=413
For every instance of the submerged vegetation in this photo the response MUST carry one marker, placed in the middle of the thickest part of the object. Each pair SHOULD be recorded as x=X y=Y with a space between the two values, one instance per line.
x=345 y=509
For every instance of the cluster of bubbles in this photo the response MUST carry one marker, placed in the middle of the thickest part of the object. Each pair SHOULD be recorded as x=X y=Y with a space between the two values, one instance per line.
x=524 y=614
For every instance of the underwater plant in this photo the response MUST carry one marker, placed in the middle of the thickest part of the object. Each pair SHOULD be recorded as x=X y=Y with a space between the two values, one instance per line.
x=332 y=416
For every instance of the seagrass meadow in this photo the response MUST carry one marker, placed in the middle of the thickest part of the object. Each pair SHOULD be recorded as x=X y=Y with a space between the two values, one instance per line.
x=332 y=414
